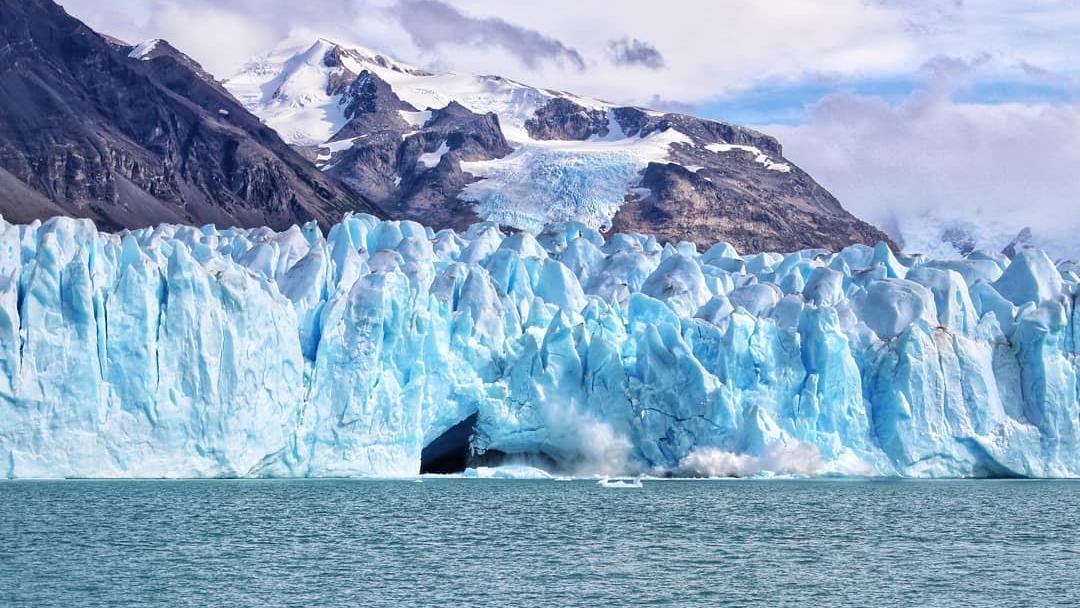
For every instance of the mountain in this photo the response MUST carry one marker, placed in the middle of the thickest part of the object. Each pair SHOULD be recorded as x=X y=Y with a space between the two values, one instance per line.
x=383 y=350
x=451 y=149
x=92 y=127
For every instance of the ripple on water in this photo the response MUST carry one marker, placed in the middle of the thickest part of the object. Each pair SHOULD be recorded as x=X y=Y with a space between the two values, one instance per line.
x=537 y=543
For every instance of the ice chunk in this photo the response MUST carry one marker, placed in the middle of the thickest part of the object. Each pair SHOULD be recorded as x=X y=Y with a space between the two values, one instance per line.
x=889 y=306
x=825 y=287
x=951 y=300
x=757 y=299
x=679 y=283
x=1031 y=277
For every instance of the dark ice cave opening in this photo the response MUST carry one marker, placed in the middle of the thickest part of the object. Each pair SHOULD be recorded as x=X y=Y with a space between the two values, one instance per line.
x=452 y=452
x=449 y=452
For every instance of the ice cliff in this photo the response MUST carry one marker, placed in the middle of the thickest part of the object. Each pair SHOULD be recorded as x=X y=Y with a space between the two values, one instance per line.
x=181 y=351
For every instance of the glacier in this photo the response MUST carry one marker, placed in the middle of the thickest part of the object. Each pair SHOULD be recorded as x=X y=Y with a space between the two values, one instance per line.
x=177 y=351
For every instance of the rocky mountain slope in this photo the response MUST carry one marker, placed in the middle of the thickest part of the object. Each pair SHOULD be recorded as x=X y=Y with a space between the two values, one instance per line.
x=128 y=137
x=450 y=149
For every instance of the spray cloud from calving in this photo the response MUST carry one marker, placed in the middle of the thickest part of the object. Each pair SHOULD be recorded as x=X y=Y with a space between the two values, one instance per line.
x=797 y=458
x=590 y=446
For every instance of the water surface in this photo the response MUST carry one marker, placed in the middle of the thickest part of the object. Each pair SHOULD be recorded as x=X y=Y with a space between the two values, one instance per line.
x=460 y=542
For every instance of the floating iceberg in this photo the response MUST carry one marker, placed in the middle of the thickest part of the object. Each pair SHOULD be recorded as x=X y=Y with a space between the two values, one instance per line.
x=383 y=348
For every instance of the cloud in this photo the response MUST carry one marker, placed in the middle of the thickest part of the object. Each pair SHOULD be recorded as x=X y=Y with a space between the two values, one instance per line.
x=1050 y=78
x=931 y=162
x=552 y=44
x=631 y=51
x=555 y=44
x=669 y=105
x=222 y=35
x=759 y=42
x=433 y=24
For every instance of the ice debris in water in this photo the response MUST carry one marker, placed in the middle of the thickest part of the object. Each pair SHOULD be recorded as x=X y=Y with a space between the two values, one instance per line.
x=182 y=351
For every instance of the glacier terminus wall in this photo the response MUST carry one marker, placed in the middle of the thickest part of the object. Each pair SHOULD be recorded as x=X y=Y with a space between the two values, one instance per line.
x=192 y=352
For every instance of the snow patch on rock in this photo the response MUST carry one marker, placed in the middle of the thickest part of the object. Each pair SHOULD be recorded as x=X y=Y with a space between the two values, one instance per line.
x=759 y=156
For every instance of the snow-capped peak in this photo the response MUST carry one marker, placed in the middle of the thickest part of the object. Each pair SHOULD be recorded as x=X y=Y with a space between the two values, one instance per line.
x=296 y=89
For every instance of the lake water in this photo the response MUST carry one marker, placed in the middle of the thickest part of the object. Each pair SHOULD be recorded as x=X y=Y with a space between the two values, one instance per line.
x=461 y=542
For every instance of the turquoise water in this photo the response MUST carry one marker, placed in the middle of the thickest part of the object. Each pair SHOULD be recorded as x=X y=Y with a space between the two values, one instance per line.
x=457 y=542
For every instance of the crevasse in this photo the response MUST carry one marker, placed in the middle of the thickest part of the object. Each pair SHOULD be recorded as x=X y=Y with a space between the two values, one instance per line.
x=189 y=352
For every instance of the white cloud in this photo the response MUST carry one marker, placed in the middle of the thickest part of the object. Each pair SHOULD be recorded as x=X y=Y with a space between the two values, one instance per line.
x=709 y=49
x=916 y=166
x=1042 y=33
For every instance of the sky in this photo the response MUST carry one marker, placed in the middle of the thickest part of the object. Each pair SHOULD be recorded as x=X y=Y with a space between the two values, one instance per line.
x=911 y=112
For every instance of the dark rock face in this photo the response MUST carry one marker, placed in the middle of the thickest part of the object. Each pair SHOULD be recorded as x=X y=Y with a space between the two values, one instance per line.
x=561 y=118
x=752 y=212
x=342 y=78
x=184 y=65
x=960 y=238
x=87 y=131
x=415 y=172
x=636 y=122
x=1023 y=241
x=372 y=108
x=369 y=94
x=730 y=196
x=474 y=136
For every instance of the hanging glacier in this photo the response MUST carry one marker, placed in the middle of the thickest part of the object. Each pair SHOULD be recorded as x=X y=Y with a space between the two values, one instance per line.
x=177 y=351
